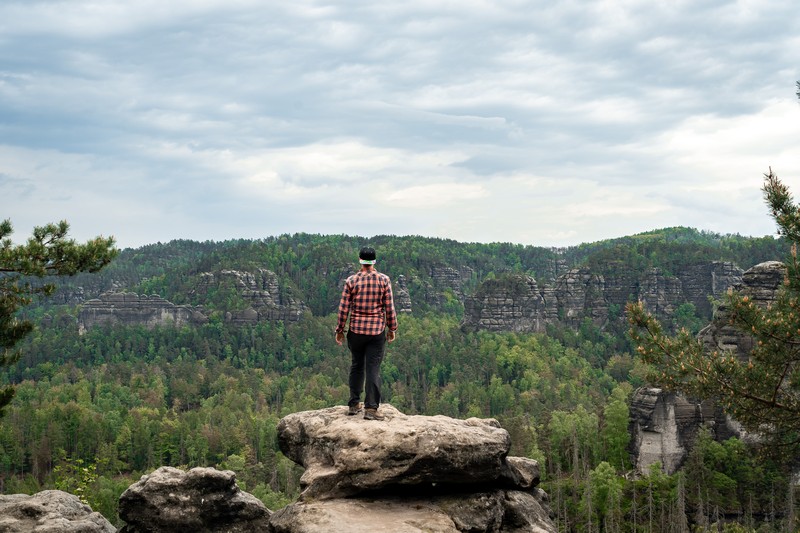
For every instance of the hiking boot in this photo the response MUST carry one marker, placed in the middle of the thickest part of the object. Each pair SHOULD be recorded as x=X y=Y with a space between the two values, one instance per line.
x=354 y=409
x=372 y=414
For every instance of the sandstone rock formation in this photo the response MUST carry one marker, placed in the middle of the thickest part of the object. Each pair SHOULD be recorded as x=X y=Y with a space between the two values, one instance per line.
x=402 y=298
x=518 y=303
x=202 y=500
x=500 y=511
x=760 y=283
x=50 y=511
x=578 y=294
x=404 y=474
x=663 y=425
x=708 y=279
x=260 y=289
x=114 y=308
x=512 y=303
x=444 y=278
x=407 y=473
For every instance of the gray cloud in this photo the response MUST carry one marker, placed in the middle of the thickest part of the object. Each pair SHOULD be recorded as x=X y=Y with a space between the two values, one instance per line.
x=220 y=119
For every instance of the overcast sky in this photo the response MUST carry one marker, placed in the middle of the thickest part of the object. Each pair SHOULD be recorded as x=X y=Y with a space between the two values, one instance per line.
x=547 y=123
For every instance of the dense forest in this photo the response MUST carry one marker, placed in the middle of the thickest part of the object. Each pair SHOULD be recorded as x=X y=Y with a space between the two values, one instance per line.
x=94 y=411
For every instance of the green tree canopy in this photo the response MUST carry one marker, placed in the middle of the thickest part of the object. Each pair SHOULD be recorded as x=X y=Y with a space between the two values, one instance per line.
x=48 y=252
x=762 y=391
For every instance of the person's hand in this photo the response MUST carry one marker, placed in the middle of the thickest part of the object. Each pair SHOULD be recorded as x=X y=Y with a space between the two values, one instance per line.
x=339 y=337
x=391 y=335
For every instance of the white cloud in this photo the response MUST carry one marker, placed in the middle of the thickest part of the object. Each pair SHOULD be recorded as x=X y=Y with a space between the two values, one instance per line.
x=722 y=153
x=517 y=120
x=434 y=195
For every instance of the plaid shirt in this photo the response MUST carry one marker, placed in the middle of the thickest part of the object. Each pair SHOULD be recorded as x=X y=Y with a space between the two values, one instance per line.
x=367 y=297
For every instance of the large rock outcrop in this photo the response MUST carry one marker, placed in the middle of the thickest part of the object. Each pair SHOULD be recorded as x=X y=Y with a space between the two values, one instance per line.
x=261 y=291
x=50 y=511
x=123 y=308
x=402 y=298
x=446 y=279
x=202 y=500
x=407 y=473
x=664 y=425
x=760 y=284
x=511 y=303
x=519 y=303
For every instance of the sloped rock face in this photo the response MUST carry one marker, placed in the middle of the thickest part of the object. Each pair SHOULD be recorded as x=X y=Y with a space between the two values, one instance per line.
x=407 y=473
x=122 y=308
x=200 y=500
x=518 y=303
x=50 y=511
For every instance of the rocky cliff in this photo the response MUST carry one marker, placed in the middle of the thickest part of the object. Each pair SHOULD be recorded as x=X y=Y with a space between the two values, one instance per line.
x=133 y=309
x=260 y=290
x=402 y=298
x=519 y=303
x=760 y=283
x=512 y=303
x=663 y=425
x=263 y=297
x=406 y=474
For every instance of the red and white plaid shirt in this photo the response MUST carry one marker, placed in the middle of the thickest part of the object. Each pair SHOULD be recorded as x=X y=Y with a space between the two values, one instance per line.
x=367 y=298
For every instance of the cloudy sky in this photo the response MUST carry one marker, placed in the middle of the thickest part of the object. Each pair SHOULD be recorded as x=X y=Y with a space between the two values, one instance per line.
x=538 y=122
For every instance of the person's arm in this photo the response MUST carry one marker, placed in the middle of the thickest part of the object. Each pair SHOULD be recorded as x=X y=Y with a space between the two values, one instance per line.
x=391 y=314
x=344 y=310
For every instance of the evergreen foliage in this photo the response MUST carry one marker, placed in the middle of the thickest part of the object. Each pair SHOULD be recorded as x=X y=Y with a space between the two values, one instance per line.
x=47 y=253
x=95 y=411
x=761 y=391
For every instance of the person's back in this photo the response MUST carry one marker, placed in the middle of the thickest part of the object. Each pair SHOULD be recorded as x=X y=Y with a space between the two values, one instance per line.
x=370 y=297
x=368 y=302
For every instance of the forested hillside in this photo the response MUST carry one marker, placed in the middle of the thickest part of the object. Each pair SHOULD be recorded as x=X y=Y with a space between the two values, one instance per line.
x=95 y=410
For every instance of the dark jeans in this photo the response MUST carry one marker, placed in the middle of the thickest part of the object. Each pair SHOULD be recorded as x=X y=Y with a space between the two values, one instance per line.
x=367 y=352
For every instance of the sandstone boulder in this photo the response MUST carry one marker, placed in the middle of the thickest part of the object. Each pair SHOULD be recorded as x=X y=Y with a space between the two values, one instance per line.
x=498 y=511
x=346 y=455
x=407 y=474
x=202 y=500
x=50 y=511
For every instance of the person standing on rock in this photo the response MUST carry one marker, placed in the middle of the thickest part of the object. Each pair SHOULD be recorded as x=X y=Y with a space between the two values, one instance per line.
x=367 y=299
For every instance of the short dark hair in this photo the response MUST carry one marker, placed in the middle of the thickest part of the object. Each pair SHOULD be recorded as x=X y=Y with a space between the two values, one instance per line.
x=366 y=256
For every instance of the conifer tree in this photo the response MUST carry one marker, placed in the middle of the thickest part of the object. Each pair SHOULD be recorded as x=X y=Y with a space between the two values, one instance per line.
x=762 y=391
x=48 y=252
